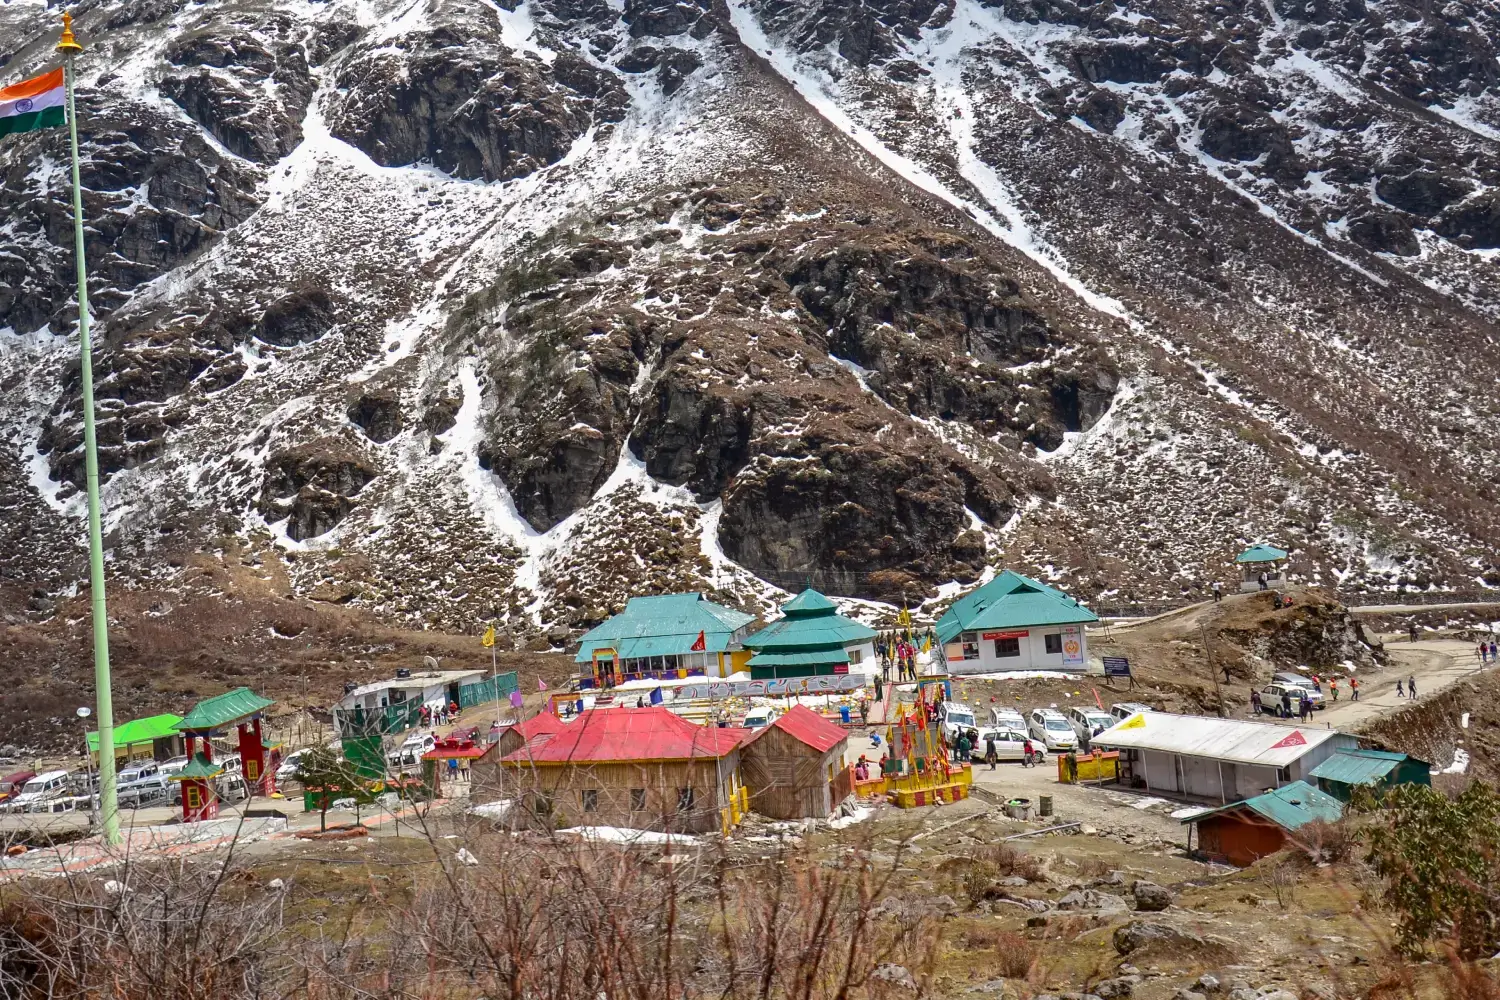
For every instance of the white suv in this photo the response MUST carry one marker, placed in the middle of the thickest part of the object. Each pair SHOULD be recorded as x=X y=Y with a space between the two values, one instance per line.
x=1049 y=728
x=957 y=718
x=1088 y=721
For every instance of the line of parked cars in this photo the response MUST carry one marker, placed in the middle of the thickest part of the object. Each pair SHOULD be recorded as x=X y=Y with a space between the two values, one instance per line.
x=138 y=784
x=1048 y=729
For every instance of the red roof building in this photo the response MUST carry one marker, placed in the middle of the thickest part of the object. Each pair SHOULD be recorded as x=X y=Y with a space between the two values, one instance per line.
x=629 y=735
x=802 y=723
x=795 y=767
x=513 y=737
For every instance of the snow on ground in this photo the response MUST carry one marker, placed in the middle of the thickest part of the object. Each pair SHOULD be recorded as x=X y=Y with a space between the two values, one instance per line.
x=859 y=815
x=1460 y=762
x=1020 y=675
x=1189 y=812
x=625 y=835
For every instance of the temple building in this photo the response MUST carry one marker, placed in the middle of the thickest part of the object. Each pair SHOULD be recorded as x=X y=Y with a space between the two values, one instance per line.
x=812 y=639
x=671 y=635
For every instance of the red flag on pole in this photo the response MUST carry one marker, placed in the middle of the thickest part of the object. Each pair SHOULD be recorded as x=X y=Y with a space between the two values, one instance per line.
x=701 y=643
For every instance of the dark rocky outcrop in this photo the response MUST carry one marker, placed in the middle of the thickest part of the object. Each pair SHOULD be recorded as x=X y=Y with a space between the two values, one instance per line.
x=1238 y=133
x=298 y=317
x=456 y=96
x=377 y=411
x=1477 y=219
x=1383 y=231
x=313 y=486
x=1423 y=193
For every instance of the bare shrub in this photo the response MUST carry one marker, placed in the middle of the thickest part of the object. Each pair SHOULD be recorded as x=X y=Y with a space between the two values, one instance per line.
x=1016 y=955
x=1320 y=841
x=1010 y=861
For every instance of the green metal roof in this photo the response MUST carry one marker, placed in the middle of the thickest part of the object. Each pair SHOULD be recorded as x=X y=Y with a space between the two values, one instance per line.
x=1357 y=767
x=199 y=767
x=800 y=658
x=809 y=602
x=1011 y=601
x=1261 y=553
x=665 y=625
x=812 y=623
x=140 y=731
x=1290 y=807
x=221 y=710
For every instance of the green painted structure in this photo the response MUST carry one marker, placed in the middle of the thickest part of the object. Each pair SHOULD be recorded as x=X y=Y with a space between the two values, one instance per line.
x=1261 y=554
x=221 y=710
x=1347 y=770
x=155 y=736
x=655 y=636
x=812 y=639
x=1011 y=601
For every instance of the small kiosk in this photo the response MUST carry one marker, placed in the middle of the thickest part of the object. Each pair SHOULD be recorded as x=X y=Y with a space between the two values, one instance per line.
x=239 y=710
x=1260 y=560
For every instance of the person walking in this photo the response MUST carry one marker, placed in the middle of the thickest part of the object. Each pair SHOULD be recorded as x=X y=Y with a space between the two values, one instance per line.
x=1493 y=650
x=1333 y=687
x=1218 y=590
x=1354 y=689
x=990 y=755
x=1026 y=753
x=1412 y=631
x=1072 y=767
x=1262 y=580
x=1304 y=708
x=964 y=746
x=1400 y=691
x=1254 y=702
x=1286 y=704
x=1411 y=687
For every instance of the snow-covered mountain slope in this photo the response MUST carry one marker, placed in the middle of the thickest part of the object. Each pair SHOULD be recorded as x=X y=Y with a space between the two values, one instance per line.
x=512 y=308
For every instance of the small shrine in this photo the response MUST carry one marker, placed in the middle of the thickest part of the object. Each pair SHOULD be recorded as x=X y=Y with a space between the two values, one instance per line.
x=1261 y=568
x=239 y=710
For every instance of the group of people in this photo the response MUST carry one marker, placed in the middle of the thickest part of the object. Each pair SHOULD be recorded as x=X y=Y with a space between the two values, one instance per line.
x=963 y=751
x=439 y=715
x=1411 y=688
x=898 y=650
x=1489 y=653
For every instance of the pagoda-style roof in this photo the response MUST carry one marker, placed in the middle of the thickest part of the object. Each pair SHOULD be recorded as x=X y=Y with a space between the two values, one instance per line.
x=812 y=623
x=1011 y=601
x=224 y=710
x=1261 y=554
x=199 y=767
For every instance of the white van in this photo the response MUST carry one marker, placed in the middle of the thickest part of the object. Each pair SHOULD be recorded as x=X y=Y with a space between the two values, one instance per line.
x=1088 y=721
x=1008 y=718
x=956 y=718
x=760 y=718
x=1123 y=710
x=1049 y=728
x=137 y=771
x=38 y=794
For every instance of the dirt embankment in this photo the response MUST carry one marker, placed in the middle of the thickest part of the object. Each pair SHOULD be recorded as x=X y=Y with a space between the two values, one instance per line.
x=1433 y=728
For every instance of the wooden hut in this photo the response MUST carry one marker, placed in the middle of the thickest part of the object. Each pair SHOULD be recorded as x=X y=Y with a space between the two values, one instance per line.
x=513 y=737
x=1377 y=770
x=795 y=767
x=1241 y=833
x=641 y=768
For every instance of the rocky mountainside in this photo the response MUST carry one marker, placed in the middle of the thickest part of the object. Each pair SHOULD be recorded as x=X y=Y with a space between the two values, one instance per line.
x=473 y=308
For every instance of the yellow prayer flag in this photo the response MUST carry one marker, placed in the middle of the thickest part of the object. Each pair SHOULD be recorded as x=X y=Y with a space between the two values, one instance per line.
x=488 y=639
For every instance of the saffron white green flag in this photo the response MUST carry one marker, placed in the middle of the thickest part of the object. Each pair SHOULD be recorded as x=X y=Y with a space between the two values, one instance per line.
x=33 y=104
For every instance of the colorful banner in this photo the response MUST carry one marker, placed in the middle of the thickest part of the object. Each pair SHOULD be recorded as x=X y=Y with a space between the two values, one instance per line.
x=1072 y=643
x=821 y=684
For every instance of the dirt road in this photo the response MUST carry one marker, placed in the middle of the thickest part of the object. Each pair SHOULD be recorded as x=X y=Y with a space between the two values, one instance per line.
x=1435 y=663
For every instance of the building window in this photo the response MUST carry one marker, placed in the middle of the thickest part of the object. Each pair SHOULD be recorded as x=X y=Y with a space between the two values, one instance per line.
x=970 y=641
x=190 y=796
x=637 y=800
x=590 y=798
x=685 y=799
x=1054 y=644
x=855 y=656
x=1007 y=647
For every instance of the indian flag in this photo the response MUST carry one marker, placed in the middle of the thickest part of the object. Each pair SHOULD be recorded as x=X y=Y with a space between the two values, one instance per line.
x=33 y=104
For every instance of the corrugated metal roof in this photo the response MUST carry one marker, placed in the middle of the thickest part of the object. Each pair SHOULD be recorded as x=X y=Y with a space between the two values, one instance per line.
x=809 y=602
x=141 y=731
x=807 y=726
x=799 y=657
x=1357 y=767
x=1291 y=806
x=665 y=625
x=231 y=706
x=538 y=724
x=627 y=734
x=1011 y=601
x=1238 y=740
x=821 y=629
x=1261 y=553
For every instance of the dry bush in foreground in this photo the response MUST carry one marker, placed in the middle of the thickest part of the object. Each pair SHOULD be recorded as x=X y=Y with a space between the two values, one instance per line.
x=1016 y=955
x=534 y=918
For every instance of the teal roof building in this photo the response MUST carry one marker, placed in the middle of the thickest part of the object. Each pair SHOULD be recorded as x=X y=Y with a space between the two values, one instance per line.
x=812 y=639
x=1261 y=568
x=1347 y=770
x=1261 y=554
x=655 y=636
x=1014 y=623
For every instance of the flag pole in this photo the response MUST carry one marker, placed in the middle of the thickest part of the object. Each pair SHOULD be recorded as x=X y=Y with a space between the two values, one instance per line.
x=109 y=814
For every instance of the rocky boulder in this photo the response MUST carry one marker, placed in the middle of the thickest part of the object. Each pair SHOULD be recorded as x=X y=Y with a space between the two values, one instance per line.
x=454 y=95
x=1150 y=897
x=1477 y=220
x=1383 y=231
x=313 y=486
x=1423 y=193
x=1143 y=936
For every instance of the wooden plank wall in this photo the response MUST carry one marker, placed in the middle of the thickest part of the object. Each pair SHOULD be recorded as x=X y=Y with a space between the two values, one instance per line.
x=787 y=778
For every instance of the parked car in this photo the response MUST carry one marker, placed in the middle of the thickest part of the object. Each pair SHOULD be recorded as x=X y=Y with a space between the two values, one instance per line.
x=1314 y=696
x=1123 y=710
x=956 y=717
x=1008 y=718
x=231 y=763
x=173 y=766
x=1010 y=743
x=412 y=748
x=1270 y=699
x=760 y=718
x=288 y=769
x=11 y=784
x=152 y=790
x=1050 y=728
x=135 y=772
x=231 y=787
x=38 y=794
x=1088 y=721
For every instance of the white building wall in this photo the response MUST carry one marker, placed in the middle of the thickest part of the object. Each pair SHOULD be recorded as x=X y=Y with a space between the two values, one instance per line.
x=862 y=658
x=1034 y=655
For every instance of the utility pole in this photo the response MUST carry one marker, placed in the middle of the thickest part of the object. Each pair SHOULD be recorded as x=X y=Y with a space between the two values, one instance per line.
x=109 y=814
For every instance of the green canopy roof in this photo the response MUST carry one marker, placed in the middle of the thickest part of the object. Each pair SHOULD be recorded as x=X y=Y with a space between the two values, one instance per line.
x=199 y=767
x=1289 y=807
x=800 y=658
x=1260 y=554
x=222 y=710
x=140 y=731
x=812 y=622
x=665 y=625
x=1011 y=601
x=1357 y=767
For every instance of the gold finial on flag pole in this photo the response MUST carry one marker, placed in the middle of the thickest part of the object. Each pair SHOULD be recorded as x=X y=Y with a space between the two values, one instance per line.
x=67 y=43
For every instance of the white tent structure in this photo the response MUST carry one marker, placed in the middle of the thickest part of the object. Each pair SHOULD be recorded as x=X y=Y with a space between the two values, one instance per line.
x=1218 y=760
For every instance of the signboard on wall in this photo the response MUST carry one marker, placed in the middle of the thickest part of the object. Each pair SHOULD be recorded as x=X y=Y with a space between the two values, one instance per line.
x=1072 y=643
x=1021 y=634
